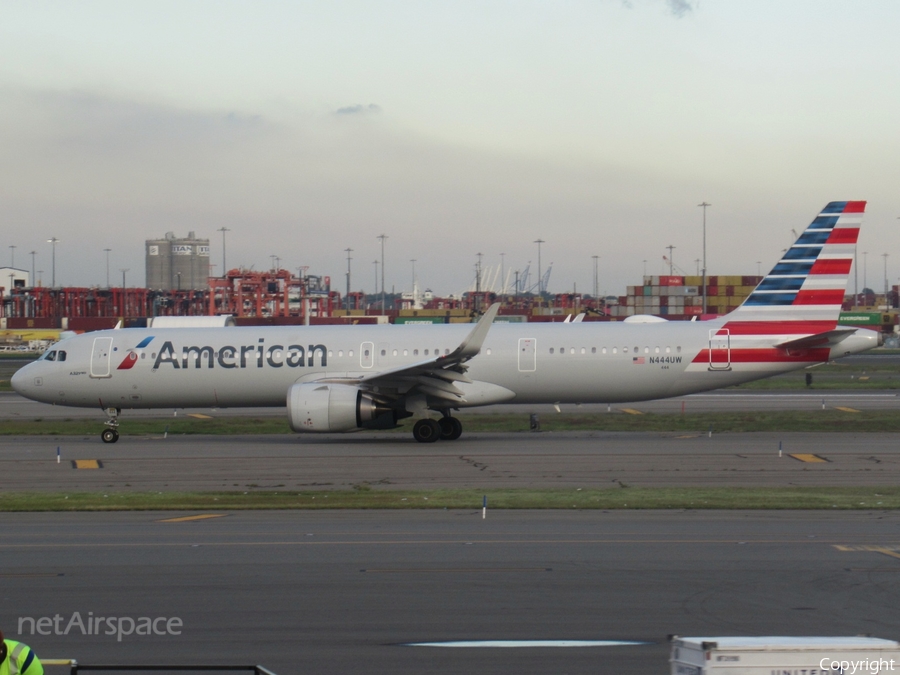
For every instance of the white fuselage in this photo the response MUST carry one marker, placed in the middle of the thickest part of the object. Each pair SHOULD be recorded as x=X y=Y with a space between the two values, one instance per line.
x=522 y=363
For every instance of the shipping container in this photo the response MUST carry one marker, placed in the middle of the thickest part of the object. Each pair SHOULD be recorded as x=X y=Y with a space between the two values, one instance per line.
x=863 y=319
x=420 y=319
x=776 y=655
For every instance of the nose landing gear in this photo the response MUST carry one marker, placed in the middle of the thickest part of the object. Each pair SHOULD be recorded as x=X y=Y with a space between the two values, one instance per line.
x=111 y=433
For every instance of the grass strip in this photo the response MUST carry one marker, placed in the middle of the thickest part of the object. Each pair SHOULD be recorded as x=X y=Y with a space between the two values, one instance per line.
x=364 y=497
x=724 y=422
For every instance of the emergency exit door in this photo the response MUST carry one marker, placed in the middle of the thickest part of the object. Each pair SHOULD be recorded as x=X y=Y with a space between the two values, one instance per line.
x=720 y=349
x=527 y=355
x=101 y=354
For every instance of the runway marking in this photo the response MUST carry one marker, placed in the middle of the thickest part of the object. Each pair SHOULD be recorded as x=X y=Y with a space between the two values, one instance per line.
x=631 y=411
x=30 y=575
x=862 y=378
x=883 y=550
x=184 y=519
x=845 y=409
x=808 y=457
x=506 y=644
x=86 y=464
x=200 y=416
x=463 y=570
x=689 y=436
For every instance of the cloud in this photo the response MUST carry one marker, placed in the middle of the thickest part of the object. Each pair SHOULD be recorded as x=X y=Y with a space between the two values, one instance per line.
x=358 y=109
x=677 y=8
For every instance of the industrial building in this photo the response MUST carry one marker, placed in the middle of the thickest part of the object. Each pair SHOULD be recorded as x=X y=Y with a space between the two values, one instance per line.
x=175 y=264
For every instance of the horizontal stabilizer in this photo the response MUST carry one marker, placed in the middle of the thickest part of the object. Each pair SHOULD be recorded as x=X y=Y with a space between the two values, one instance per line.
x=827 y=339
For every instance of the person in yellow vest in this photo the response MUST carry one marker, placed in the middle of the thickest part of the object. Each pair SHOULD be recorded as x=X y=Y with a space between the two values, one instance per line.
x=18 y=659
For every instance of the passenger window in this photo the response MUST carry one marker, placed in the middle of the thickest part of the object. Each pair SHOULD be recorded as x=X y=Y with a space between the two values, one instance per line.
x=572 y=350
x=384 y=352
x=635 y=350
x=405 y=352
x=593 y=350
x=446 y=351
x=582 y=350
x=646 y=350
x=562 y=350
x=615 y=351
x=488 y=351
x=330 y=354
x=426 y=352
x=350 y=353
x=656 y=349
x=678 y=349
x=415 y=352
x=551 y=350
x=394 y=353
x=603 y=350
x=340 y=352
x=624 y=350
x=668 y=350
x=366 y=352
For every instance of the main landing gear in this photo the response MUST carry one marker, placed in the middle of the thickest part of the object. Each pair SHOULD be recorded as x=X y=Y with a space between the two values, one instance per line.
x=111 y=433
x=446 y=429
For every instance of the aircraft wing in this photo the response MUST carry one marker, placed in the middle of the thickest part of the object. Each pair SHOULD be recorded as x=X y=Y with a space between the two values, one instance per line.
x=431 y=377
x=827 y=339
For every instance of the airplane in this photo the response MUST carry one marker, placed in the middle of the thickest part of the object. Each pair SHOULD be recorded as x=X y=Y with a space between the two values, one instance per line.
x=346 y=378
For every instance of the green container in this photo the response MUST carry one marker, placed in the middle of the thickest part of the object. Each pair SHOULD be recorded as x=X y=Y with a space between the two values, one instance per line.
x=420 y=319
x=863 y=319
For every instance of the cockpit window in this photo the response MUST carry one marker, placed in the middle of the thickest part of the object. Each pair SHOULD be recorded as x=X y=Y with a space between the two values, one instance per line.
x=50 y=356
x=60 y=355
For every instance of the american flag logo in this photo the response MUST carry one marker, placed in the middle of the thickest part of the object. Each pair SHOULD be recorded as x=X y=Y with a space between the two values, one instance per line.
x=638 y=360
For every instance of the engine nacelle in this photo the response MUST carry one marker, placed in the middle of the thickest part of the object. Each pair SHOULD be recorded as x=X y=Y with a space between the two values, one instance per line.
x=322 y=408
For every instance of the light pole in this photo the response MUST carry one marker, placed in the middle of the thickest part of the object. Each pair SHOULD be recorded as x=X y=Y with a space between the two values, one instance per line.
x=223 y=230
x=704 y=206
x=53 y=241
x=886 y=304
x=865 y=270
x=540 y=280
x=107 y=265
x=33 y=278
x=124 y=294
x=671 y=260
x=596 y=276
x=348 y=251
x=382 y=237
x=645 y=269
x=413 y=261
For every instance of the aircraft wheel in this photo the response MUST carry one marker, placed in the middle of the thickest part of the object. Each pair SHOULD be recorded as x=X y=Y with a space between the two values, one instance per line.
x=110 y=436
x=426 y=431
x=451 y=428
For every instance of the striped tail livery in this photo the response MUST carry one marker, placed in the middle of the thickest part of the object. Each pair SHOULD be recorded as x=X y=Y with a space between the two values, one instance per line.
x=792 y=315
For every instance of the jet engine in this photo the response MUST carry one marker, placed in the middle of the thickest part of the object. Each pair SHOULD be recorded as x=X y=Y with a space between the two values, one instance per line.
x=320 y=407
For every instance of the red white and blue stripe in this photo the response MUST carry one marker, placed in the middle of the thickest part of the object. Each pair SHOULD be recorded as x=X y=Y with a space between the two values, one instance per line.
x=800 y=297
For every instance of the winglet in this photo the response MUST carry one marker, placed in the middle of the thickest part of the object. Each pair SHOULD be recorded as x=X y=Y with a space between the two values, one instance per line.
x=470 y=347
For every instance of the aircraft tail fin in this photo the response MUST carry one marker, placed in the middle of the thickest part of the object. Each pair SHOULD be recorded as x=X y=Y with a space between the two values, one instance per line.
x=809 y=282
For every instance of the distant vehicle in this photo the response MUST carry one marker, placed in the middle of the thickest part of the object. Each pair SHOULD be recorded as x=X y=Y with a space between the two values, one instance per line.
x=338 y=378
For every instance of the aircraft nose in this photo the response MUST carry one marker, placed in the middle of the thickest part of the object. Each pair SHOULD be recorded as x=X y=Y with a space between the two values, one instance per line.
x=18 y=381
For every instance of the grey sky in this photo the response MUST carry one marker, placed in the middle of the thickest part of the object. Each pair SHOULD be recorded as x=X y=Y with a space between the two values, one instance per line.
x=455 y=128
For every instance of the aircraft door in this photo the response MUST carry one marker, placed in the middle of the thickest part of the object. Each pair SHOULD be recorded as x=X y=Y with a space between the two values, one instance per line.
x=367 y=354
x=101 y=354
x=720 y=349
x=527 y=355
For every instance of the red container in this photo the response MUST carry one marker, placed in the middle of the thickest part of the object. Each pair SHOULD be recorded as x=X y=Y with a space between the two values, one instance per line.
x=86 y=324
